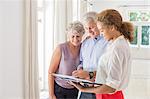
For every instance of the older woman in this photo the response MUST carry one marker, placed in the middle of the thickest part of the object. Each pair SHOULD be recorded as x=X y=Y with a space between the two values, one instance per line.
x=65 y=60
x=115 y=64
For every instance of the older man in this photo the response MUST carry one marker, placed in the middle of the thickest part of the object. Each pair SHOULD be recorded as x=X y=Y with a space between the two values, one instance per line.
x=91 y=50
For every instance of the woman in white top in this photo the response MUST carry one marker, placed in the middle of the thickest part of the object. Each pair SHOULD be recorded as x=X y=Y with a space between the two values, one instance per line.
x=115 y=64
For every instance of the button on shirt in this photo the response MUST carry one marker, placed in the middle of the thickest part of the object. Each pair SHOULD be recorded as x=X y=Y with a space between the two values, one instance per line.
x=115 y=64
x=90 y=52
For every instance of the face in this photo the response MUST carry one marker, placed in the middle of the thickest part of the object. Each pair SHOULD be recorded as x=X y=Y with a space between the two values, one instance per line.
x=92 y=29
x=106 y=31
x=75 y=38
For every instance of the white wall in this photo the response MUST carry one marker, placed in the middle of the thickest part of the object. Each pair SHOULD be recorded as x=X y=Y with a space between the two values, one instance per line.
x=139 y=86
x=11 y=49
x=99 y=5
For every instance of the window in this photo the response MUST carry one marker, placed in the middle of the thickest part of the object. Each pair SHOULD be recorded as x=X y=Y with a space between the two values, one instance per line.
x=45 y=42
x=145 y=35
x=141 y=20
x=139 y=15
x=40 y=15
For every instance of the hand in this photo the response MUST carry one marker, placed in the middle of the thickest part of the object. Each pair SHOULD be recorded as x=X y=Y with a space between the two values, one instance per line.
x=81 y=74
x=52 y=97
x=77 y=85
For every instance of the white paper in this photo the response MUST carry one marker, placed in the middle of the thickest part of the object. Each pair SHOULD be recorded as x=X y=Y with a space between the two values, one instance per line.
x=74 y=79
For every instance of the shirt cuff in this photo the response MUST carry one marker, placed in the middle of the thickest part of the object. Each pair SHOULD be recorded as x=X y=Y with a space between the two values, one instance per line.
x=79 y=67
x=114 y=84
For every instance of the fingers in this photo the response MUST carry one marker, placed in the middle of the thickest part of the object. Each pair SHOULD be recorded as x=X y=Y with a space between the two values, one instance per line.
x=75 y=73
x=77 y=85
x=70 y=82
x=73 y=83
x=80 y=74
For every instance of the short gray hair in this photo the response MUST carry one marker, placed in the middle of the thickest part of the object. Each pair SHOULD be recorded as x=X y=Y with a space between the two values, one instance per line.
x=89 y=16
x=77 y=26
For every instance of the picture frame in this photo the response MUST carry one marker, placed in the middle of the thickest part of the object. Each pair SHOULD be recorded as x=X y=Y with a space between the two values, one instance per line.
x=145 y=35
x=141 y=19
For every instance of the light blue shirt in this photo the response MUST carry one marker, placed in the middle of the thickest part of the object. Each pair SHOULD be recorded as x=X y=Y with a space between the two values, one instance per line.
x=91 y=51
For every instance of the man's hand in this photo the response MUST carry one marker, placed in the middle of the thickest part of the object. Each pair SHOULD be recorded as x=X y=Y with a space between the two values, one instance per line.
x=81 y=74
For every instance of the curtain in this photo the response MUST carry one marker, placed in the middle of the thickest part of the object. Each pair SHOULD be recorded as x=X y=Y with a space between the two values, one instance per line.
x=62 y=16
x=57 y=15
x=56 y=21
x=31 y=56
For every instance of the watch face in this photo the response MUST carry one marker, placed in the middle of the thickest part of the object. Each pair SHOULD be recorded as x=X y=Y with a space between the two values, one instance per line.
x=91 y=74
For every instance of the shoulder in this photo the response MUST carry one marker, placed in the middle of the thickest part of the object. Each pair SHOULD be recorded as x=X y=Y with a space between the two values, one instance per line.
x=121 y=43
x=103 y=39
x=62 y=45
x=103 y=42
x=121 y=47
x=86 y=41
x=85 y=38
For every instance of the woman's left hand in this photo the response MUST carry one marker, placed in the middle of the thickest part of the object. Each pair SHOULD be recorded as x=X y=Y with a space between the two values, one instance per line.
x=77 y=85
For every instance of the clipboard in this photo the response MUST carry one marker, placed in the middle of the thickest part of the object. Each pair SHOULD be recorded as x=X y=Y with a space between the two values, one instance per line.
x=74 y=79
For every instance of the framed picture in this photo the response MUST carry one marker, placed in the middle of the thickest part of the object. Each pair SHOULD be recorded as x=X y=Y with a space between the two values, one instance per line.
x=135 y=40
x=133 y=16
x=141 y=19
x=139 y=16
x=145 y=35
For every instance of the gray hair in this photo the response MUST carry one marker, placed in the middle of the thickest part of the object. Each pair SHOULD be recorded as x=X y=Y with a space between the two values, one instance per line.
x=89 y=16
x=77 y=26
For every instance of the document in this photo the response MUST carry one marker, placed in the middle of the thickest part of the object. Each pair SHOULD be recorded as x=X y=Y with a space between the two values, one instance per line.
x=74 y=79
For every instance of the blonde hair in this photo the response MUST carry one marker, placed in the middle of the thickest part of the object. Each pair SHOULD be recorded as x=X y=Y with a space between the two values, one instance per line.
x=112 y=17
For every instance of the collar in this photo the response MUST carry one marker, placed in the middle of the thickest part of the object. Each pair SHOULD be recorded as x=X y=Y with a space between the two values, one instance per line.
x=97 y=37
x=111 y=43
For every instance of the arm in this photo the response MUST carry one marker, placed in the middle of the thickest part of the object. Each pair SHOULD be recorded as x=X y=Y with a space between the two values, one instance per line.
x=80 y=66
x=84 y=74
x=113 y=76
x=85 y=36
x=52 y=69
x=104 y=89
x=80 y=73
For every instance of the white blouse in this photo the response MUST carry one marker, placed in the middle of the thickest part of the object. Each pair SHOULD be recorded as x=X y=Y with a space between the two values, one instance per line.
x=115 y=65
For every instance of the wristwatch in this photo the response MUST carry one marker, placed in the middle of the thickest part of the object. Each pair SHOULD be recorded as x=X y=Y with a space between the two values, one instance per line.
x=91 y=75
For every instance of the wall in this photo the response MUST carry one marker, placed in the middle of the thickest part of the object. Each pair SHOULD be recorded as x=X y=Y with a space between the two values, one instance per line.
x=99 y=5
x=139 y=86
x=11 y=49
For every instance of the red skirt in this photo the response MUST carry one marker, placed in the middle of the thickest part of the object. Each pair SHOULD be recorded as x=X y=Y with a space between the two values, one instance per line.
x=116 y=95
